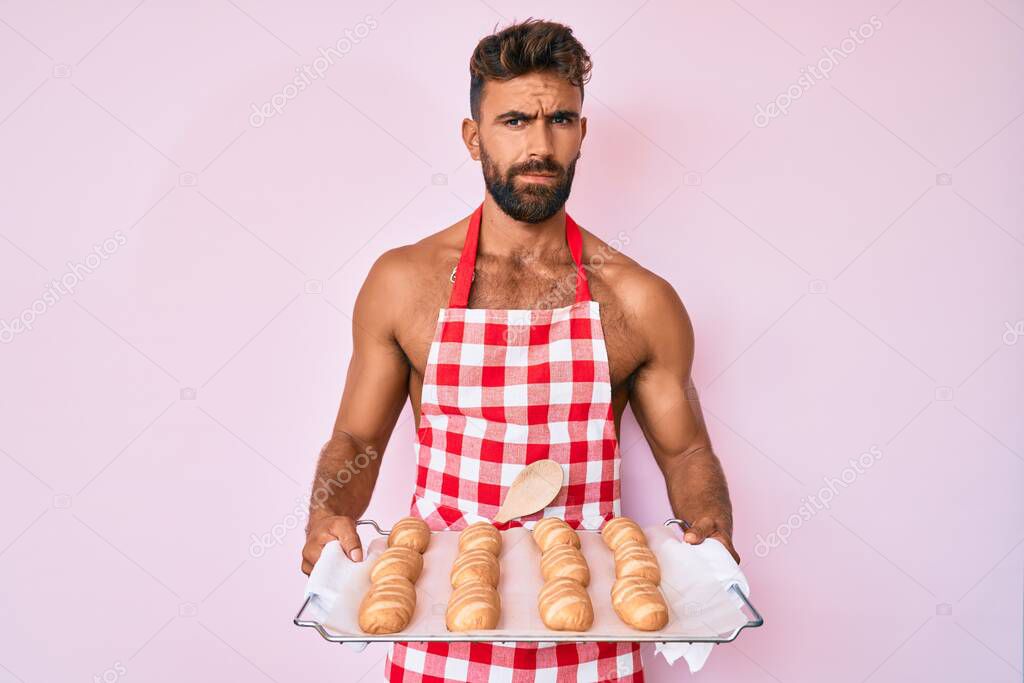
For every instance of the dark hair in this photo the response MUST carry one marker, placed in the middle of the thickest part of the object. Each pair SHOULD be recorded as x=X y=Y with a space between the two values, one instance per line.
x=522 y=48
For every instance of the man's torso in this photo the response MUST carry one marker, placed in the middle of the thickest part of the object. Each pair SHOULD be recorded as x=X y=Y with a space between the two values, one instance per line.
x=521 y=281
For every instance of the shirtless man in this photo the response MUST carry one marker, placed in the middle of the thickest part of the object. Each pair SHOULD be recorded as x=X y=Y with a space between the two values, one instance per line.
x=518 y=251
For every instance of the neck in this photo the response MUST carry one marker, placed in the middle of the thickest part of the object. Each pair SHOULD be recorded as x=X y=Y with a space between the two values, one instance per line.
x=502 y=236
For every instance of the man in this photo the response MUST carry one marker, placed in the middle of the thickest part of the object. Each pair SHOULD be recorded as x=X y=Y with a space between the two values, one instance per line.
x=518 y=336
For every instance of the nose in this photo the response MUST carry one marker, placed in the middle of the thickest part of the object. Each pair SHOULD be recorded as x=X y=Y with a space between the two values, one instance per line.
x=538 y=140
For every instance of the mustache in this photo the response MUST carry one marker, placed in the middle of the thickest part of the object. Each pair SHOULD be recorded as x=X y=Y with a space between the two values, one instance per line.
x=538 y=167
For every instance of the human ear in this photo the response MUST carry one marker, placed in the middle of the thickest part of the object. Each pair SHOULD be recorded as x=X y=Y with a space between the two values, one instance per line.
x=471 y=138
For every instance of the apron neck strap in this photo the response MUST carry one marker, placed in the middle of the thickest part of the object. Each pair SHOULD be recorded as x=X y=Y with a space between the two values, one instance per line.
x=467 y=262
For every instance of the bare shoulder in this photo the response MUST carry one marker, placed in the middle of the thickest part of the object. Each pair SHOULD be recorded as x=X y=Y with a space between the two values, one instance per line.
x=403 y=270
x=407 y=284
x=647 y=304
x=639 y=291
x=409 y=261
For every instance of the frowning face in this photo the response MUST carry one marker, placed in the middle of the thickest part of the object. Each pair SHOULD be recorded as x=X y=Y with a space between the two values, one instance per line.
x=528 y=141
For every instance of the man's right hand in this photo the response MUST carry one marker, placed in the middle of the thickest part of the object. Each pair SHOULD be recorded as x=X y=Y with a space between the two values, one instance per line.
x=326 y=529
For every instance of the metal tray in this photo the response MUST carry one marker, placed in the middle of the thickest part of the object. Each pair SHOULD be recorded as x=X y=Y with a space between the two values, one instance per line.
x=305 y=619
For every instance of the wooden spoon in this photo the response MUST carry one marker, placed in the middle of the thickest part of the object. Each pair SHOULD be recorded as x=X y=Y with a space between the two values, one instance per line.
x=535 y=487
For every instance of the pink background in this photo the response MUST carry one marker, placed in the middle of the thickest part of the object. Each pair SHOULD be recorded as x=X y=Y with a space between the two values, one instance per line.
x=854 y=270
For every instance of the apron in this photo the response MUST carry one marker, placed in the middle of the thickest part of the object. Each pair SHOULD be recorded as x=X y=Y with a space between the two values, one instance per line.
x=503 y=389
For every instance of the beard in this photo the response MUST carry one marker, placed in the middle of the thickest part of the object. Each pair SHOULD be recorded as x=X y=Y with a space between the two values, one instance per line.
x=533 y=202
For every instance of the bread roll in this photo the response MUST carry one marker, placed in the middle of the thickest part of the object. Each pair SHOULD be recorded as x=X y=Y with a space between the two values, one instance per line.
x=639 y=603
x=552 y=531
x=473 y=606
x=410 y=532
x=564 y=605
x=636 y=559
x=388 y=606
x=619 y=530
x=475 y=565
x=480 y=535
x=398 y=560
x=564 y=561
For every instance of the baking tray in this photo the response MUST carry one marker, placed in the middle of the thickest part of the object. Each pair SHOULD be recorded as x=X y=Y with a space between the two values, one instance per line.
x=701 y=612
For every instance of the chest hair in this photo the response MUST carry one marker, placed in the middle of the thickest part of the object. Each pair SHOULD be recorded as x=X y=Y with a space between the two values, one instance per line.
x=521 y=282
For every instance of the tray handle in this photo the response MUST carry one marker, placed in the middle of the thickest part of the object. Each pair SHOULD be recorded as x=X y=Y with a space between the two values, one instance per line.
x=681 y=523
x=752 y=621
x=373 y=523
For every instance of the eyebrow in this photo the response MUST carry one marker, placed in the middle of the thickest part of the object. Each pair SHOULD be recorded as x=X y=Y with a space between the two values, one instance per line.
x=570 y=114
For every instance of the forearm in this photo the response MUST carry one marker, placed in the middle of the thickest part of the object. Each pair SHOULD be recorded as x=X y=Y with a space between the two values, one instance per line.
x=697 y=487
x=346 y=474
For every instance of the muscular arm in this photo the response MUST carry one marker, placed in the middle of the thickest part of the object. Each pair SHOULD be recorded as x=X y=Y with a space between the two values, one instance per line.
x=667 y=409
x=376 y=387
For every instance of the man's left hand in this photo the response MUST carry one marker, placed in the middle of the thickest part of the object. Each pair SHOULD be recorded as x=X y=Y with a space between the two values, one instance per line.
x=709 y=527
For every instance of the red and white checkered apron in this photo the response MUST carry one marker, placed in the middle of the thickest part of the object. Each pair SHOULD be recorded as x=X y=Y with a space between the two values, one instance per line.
x=503 y=389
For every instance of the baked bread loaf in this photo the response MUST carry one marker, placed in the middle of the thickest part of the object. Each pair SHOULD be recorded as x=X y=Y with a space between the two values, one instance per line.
x=410 y=532
x=480 y=535
x=619 y=530
x=564 y=605
x=637 y=559
x=552 y=531
x=564 y=561
x=473 y=606
x=639 y=603
x=388 y=606
x=397 y=560
x=475 y=565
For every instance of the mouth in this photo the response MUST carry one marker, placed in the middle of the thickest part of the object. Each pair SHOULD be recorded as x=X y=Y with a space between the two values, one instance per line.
x=538 y=177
